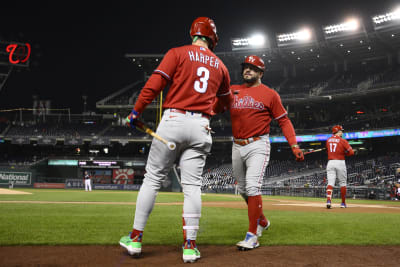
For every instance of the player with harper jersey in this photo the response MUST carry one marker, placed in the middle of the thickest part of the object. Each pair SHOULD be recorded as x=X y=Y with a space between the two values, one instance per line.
x=253 y=106
x=337 y=148
x=196 y=77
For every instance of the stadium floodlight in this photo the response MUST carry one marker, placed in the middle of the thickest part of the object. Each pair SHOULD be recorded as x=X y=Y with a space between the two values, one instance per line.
x=256 y=41
x=388 y=19
x=350 y=26
x=302 y=36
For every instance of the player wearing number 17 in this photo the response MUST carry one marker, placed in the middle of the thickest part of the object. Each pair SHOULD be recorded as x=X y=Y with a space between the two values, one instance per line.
x=196 y=77
x=337 y=148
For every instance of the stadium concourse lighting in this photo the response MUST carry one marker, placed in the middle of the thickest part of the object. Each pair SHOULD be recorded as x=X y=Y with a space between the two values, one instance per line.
x=350 y=26
x=380 y=21
x=254 y=42
x=301 y=36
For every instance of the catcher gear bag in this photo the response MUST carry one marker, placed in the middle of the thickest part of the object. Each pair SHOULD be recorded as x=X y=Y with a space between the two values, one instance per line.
x=255 y=61
x=337 y=128
x=203 y=26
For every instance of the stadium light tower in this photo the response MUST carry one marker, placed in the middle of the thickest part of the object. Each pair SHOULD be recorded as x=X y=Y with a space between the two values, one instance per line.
x=349 y=27
x=256 y=41
x=387 y=20
x=302 y=36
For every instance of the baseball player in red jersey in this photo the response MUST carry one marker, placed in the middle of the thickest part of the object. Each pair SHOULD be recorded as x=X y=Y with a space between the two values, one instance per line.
x=196 y=77
x=253 y=106
x=337 y=148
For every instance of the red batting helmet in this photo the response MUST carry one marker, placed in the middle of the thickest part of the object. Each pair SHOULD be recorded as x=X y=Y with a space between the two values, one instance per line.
x=337 y=128
x=255 y=61
x=203 y=26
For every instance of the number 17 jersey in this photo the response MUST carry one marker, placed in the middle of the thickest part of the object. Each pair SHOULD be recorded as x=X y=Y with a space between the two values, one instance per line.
x=337 y=148
x=196 y=76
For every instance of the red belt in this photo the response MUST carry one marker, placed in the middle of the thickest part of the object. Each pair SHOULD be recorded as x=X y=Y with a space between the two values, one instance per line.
x=247 y=141
x=189 y=112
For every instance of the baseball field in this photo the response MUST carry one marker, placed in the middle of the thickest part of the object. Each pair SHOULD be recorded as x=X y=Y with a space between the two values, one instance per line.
x=49 y=227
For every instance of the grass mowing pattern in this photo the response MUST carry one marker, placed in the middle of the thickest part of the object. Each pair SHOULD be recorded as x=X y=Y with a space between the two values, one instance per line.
x=62 y=224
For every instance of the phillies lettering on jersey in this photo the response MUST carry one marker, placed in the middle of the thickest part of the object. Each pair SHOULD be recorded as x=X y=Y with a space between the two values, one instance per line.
x=196 y=75
x=247 y=102
x=252 y=109
x=337 y=148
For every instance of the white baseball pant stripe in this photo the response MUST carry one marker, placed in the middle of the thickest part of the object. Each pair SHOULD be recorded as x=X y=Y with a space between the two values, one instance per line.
x=336 y=169
x=193 y=142
x=249 y=163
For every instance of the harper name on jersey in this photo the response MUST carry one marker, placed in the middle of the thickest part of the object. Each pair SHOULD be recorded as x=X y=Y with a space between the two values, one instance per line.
x=205 y=59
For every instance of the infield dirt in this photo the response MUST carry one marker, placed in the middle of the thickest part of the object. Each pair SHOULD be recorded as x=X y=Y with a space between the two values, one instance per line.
x=215 y=255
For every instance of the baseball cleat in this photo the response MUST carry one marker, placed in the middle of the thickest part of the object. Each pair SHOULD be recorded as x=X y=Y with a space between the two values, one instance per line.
x=249 y=242
x=190 y=252
x=133 y=246
x=328 y=204
x=260 y=229
x=343 y=205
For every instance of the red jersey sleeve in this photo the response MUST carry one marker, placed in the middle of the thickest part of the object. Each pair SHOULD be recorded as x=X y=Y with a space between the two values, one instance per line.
x=154 y=85
x=277 y=109
x=226 y=82
x=168 y=65
x=348 y=150
x=157 y=81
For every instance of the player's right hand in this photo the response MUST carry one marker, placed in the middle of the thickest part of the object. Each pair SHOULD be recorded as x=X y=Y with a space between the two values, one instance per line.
x=298 y=153
x=131 y=119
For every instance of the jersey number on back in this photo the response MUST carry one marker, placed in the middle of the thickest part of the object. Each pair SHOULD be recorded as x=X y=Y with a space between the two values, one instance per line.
x=332 y=147
x=201 y=84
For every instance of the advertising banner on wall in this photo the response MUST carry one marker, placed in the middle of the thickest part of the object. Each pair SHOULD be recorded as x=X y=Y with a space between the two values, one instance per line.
x=73 y=141
x=101 y=141
x=49 y=185
x=18 y=178
x=47 y=141
x=123 y=176
x=78 y=183
x=74 y=183
x=20 y=141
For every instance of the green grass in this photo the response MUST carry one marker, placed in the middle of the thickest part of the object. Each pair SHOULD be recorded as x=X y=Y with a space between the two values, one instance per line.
x=60 y=195
x=61 y=224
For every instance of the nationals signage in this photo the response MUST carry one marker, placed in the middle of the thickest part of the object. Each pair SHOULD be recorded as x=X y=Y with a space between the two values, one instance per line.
x=18 y=178
x=18 y=53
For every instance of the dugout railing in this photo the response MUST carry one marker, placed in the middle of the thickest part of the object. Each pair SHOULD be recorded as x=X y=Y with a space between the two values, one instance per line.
x=353 y=192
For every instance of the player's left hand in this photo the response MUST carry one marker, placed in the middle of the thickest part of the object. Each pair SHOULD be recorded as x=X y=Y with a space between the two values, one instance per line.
x=298 y=153
x=131 y=119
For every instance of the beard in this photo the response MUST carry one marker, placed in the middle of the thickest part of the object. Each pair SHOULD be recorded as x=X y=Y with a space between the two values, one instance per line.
x=250 y=80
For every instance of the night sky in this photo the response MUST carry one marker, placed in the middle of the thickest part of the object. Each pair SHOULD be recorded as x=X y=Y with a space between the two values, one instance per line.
x=78 y=48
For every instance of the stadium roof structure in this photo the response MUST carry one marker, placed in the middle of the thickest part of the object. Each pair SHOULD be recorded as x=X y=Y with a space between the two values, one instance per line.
x=379 y=43
x=330 y=48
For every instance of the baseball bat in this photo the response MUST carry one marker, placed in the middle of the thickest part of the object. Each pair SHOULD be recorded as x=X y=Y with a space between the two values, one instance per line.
x=312 y=151
x=140 y=125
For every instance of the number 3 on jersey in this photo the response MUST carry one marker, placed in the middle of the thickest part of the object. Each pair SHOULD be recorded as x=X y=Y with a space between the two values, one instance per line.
x=332 y=147
x=201 y=84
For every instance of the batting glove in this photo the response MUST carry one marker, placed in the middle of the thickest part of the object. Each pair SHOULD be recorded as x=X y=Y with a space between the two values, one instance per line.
x=298 y=153
x=131 y=119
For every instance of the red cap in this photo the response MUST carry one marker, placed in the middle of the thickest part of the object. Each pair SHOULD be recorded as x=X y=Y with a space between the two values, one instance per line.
x=203 y=26
x=337 y=128
x=255 y=61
